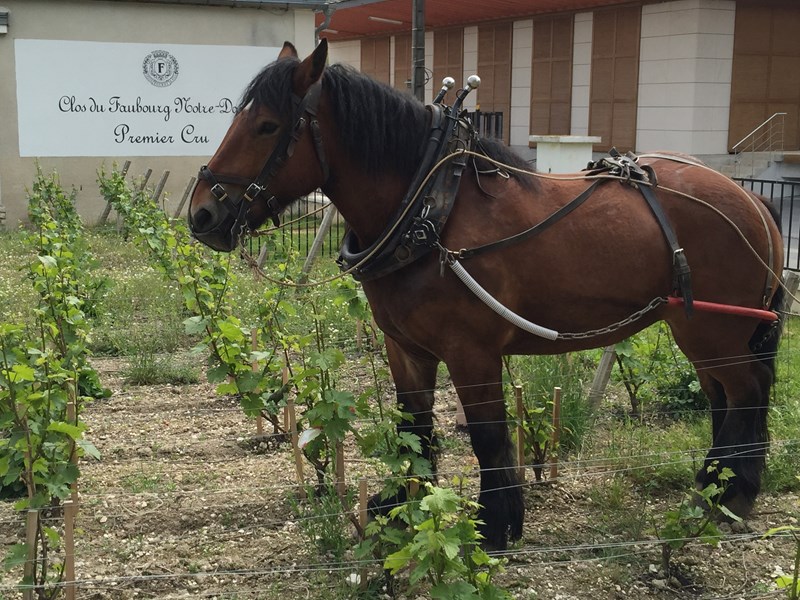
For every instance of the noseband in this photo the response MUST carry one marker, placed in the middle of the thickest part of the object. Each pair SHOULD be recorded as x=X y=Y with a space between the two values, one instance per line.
x=254 y=189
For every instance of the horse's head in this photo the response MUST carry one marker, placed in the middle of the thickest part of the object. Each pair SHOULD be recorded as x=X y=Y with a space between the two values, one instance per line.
x=271 y=155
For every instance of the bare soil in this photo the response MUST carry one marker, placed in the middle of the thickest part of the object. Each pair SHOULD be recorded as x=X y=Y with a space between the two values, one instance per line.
x=185 y=503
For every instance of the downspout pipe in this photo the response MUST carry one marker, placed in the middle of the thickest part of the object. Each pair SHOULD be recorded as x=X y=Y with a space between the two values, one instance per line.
x=328 y=12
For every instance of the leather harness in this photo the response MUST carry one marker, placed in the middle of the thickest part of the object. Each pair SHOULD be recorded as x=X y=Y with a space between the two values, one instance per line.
x=418 y=223
x=419 y=220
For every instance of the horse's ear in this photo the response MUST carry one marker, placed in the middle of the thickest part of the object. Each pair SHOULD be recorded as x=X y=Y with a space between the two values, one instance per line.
x=288 y=51
x=310 y=70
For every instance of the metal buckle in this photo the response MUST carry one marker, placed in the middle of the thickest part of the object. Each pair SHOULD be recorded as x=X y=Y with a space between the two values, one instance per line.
x=219 y=192
x=252 y=192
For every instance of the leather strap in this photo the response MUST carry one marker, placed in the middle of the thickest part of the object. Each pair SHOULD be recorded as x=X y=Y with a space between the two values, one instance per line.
x=682 y=280
x=554 y=218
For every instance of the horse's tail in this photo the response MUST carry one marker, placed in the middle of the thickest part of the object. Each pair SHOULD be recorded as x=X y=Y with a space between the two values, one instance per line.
x=767 y=336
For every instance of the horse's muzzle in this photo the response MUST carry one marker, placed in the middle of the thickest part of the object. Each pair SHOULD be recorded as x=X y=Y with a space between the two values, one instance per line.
x=214 y=226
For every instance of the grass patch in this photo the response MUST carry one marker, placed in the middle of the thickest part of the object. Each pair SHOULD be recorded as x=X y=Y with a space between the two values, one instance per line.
x=655 y=459
x=137 y=483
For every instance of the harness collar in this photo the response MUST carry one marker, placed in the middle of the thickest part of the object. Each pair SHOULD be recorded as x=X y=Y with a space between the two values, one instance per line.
x=415 y=227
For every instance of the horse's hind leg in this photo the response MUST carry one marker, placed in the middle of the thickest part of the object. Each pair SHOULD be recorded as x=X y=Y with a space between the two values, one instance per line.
x=478 y=382
x=414 y=375
x=740 y=441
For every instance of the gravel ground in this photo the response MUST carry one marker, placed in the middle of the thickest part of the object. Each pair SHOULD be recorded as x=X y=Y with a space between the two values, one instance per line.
x=185 y=503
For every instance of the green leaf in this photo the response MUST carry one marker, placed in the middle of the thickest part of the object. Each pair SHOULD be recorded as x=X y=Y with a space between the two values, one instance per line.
x=781 y=529
x=52 y=536
x=73 y=431
x=217 y=373
x=21 y=373
x=231 y=331
x=248 y=381
x=194 y=325
x=48 y=261
x=440 y=501
x=16 y=557
x=454 y=590
x=729 y=513
x=224 y=389
x=88 y=449
x=421 y=570
x=450 y=547
x=397 y=560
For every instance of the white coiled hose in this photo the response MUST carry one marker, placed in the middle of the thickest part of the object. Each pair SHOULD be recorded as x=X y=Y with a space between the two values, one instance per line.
x=501 y=310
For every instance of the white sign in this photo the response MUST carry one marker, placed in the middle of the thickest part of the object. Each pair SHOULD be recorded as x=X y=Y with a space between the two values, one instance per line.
x=115 y=99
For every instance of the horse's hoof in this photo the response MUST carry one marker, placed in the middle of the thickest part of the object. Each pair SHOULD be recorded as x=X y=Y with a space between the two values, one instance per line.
x=739 y=504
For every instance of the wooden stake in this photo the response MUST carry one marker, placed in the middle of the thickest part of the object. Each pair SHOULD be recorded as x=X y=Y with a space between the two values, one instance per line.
x=145 y=179
x=363 y=513
x=284 y=381
x=792 y=279
x=359 y=328
x=461 y=417
x=520 y=434
x=254 y=367
x=601 y=377
x=71 y=508
x=72 y=419
x=185 y=197
x=107 y=210
x=374 y=335
x=298 y=454
x=262 y=257
x=160 y=188
x=341 y=486
x=556 y=433
x=69 y=549
x=363 y=517
x=325 y=226
x=29 y=570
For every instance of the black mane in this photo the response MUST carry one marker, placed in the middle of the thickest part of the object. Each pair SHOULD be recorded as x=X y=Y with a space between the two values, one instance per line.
x=381 y=128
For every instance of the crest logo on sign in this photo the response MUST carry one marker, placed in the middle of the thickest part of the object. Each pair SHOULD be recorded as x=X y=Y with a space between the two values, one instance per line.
x=160 y=68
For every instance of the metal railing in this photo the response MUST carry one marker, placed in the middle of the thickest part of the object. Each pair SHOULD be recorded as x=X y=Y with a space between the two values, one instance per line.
x=301 y=222
x=766 y=139
x=487 y=124
x=785 y=195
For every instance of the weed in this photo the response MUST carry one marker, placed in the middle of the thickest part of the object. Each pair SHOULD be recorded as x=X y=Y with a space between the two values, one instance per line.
x=696 y=517
x=323 y=524
x=539 y=375
x=791 y=583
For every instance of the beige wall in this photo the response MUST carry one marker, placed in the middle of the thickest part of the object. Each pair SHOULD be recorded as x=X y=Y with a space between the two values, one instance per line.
x=685 y=76
x=123 y=22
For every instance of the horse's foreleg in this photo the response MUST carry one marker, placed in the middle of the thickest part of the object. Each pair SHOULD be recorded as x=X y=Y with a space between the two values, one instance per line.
x=716 y=396
x=481 y=392
x=414 y=375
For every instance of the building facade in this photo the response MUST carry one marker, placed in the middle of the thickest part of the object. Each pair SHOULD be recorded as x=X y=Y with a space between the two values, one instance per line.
x=694 y=76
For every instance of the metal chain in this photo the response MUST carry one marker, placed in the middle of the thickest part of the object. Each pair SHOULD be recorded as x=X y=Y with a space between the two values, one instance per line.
x=632 y=318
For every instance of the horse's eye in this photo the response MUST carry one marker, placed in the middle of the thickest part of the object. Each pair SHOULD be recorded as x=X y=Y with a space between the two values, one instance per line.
x=267 y=128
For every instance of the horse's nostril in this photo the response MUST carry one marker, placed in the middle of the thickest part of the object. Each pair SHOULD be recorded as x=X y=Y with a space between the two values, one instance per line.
x=202 y=220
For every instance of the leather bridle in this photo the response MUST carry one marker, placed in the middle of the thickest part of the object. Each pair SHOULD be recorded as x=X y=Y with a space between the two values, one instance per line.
x=256 y=188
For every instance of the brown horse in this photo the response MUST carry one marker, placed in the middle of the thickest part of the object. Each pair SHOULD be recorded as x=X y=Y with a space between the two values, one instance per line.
x=592 y=271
